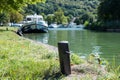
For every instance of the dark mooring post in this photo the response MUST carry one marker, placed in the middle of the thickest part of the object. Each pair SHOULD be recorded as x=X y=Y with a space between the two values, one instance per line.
x=64 y=57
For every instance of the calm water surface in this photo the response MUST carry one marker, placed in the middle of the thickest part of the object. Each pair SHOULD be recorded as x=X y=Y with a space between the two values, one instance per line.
x=83 y=42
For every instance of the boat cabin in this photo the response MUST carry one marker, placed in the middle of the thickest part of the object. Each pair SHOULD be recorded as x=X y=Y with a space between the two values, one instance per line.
x=34 y=18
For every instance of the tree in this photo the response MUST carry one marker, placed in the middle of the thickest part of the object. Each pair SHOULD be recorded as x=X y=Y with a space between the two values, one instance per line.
x=15 y=17
x=70 y=7
x=109 y=10
x=50 y=19
x=7 y=5
x=4 y=18
x=59 y=17
x=86 y=16
x=44 y=16
x=65 y=20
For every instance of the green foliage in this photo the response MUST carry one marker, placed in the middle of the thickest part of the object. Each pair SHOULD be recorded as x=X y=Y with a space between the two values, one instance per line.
x=113 y=72
x=86 y=16
x=59 y=17
x=75 y=8
x=109 y=10
x=50 y=19
x=44 y=16
x=94 y=59
x=13 y=6
x=12 y=16
x=110 y=26
x=86 y=23
x=4 y=18
x=108 y=16
x=22 y=59
x=75 y=59
x=15 y=17
x=8 y=5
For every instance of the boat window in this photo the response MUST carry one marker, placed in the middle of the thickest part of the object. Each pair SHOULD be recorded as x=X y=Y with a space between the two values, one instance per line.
x=28 y=19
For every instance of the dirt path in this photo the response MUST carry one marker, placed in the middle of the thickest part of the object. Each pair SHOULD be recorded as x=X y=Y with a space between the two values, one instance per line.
x=86 y=71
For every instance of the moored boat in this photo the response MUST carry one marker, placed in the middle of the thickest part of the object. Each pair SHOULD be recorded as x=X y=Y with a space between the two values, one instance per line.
x=53 y=25
x=34 y=24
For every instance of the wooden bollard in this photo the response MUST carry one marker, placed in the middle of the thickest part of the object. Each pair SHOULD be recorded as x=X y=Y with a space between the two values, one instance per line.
x=64 y=57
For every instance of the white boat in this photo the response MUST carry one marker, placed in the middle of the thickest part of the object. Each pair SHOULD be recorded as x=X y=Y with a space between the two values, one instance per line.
x=34 y=24
x=71 y=25
x=53 y=25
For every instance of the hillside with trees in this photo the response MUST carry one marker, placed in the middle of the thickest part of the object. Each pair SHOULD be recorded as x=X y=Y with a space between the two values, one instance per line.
x=108 y=16
x=84 y=10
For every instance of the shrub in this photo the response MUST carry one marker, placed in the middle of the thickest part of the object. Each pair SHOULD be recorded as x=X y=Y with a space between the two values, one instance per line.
x=75 y=59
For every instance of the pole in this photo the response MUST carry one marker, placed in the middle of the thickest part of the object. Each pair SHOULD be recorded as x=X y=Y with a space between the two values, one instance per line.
x=64 y=57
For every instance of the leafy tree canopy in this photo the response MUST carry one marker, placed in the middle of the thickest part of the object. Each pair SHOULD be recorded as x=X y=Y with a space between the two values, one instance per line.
x=109 y=10
x=84 y=9
x=70 y=7
x=7 y=5
x=15 y=17
x=4 y=18
x=58 y=17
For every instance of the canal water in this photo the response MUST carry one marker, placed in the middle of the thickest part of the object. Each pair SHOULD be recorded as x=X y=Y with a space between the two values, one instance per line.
x=83 y=42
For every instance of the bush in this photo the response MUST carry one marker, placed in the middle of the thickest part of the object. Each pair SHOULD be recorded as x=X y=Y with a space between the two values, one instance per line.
x=86 y=23
x=75 y=59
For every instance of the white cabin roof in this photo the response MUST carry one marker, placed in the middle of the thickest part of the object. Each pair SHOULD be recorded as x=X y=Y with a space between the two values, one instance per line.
x=34 y=16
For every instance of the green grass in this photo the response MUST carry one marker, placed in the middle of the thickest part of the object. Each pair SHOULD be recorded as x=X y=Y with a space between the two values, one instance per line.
x=22 y=59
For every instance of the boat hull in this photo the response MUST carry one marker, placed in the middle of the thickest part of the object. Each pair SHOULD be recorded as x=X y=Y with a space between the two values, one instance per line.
x=34 y=28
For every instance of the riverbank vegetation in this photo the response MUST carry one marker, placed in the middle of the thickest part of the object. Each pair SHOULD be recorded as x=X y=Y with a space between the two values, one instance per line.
x=10 y=11
x=22 y=58
x=99 y=14
x=82 y=10
x=108 y=17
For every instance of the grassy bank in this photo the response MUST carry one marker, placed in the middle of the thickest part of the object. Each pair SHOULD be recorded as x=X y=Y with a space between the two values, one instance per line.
x=23 y=59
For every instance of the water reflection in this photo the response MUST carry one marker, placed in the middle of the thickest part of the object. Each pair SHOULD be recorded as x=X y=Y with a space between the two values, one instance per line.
x=84 y=42
x=96 y=50
x=43 y=37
